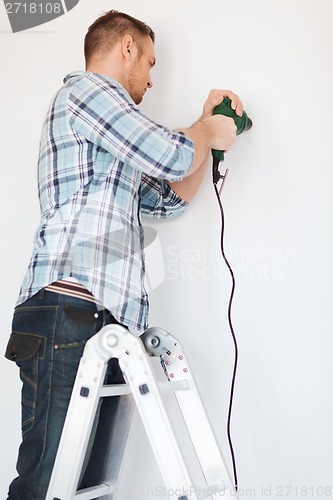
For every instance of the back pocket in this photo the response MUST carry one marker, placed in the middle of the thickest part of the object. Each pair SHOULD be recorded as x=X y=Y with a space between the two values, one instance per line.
x=23 y=349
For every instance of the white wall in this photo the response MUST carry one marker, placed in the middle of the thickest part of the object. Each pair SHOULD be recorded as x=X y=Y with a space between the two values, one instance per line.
x=276 y=55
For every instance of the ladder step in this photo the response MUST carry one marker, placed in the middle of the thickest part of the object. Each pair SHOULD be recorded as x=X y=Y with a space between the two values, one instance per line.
x=115 y=390
x=211 y=490
x=94 y=492
x=177 y=385
x=122 y=389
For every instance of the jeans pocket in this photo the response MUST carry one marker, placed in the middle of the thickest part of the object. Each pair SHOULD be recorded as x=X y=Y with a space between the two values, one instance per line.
x=78 y=325
x=24 y=349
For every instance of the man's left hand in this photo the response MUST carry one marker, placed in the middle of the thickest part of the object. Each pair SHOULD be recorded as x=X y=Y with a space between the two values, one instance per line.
x=215 y=97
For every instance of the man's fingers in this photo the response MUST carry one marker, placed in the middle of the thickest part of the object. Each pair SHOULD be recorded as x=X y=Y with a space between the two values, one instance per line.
x=236 y=103
x=217 y=96
x=237 y=106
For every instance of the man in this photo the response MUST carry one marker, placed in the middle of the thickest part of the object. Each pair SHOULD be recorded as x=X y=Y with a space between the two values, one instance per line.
x=102 y=162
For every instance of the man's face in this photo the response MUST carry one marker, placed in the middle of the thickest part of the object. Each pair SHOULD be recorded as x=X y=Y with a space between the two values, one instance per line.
x=139 y=71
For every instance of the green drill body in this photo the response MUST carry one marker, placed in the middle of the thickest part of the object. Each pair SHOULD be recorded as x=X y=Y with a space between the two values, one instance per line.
x=242 y=122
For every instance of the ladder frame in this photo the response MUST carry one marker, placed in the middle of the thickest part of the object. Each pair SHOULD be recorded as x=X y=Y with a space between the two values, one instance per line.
x=135 y=359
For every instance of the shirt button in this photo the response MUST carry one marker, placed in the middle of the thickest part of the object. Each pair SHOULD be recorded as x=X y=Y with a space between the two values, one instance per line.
x=96 y=315
x=56 y=346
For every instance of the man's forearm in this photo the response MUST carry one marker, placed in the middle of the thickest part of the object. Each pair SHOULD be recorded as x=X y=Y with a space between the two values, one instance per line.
x=188 y=187
x=202 y=135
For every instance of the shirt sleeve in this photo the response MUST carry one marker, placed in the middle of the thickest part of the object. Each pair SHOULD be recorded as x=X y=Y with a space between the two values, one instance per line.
x=159 y=200
x=103 y=113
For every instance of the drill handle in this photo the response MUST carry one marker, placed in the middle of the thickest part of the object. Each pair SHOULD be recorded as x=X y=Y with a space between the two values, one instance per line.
x=219 y=155
x=216 y=173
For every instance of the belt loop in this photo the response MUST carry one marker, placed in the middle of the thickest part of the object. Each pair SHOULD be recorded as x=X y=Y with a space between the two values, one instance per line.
x=41 y=294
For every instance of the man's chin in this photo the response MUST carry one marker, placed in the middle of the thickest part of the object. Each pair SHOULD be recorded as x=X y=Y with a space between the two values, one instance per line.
x=138 y=100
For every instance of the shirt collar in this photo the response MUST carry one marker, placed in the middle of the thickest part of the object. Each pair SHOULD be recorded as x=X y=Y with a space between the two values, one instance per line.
x=74 y=75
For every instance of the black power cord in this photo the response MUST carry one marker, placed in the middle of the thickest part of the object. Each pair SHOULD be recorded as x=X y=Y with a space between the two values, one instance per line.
x=216 y=177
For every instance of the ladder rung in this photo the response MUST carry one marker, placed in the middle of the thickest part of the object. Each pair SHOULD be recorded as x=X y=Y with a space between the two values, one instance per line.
x=94 y=492
x=122 y=389
x=177 y=385
x=115 y=390
x=213 y=489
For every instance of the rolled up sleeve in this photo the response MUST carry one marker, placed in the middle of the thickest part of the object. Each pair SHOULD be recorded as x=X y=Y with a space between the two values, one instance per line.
x=159 y=200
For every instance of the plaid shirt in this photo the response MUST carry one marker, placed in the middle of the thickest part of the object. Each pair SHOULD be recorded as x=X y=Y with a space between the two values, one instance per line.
x=101 y=163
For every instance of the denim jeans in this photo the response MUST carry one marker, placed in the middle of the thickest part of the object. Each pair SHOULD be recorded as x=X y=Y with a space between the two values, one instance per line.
x=48 y=336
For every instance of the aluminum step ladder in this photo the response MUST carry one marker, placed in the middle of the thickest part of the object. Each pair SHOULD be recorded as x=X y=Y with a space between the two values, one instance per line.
x=142 y=360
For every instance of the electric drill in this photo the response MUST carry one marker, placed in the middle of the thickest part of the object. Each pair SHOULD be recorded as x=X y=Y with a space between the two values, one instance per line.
x=242 y=123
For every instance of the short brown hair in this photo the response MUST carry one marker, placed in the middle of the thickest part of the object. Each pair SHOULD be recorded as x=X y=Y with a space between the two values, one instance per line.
x=109 y=28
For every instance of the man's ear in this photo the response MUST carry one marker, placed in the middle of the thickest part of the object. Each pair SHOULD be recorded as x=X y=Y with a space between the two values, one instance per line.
x=127 y=47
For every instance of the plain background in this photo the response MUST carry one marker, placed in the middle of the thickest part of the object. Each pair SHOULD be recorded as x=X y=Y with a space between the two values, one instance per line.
x=277 y=55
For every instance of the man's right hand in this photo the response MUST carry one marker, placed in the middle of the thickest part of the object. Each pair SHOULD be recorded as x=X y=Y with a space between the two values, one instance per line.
x=223 y=131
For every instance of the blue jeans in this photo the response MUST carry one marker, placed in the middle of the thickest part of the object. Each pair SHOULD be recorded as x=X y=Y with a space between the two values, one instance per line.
x=48 y=336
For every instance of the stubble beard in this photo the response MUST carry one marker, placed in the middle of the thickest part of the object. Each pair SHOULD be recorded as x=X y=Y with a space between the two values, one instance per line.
x=133 y=91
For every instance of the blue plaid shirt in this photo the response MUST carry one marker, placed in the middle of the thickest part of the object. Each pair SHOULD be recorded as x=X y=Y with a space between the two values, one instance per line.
x=101 y=163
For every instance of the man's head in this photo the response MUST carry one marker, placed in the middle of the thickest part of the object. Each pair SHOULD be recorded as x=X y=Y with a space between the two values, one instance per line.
x=122 y=47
